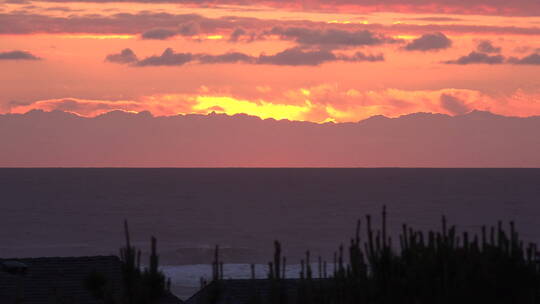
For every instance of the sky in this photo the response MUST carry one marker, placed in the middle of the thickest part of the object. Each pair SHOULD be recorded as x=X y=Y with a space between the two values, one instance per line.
x=316 y=61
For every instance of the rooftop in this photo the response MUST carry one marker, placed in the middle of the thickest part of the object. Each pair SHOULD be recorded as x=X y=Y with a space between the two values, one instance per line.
x=64 y=280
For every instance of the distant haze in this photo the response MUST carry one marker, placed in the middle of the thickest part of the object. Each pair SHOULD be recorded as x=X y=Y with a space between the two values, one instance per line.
x=120 y=139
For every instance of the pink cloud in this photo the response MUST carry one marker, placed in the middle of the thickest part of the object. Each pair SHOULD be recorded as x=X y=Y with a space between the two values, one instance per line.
x=321 y=103
x=485 y=7
x=191 y=24
x=476 y=139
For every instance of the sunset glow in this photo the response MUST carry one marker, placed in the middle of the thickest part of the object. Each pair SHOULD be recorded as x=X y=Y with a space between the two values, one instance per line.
x=341 y=63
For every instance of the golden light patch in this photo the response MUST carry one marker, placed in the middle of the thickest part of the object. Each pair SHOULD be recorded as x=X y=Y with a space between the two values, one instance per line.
x=322 y=106
x=405 y=37
x=262 y=109
x=207 y=37
x=347 y=22
x=339 y=22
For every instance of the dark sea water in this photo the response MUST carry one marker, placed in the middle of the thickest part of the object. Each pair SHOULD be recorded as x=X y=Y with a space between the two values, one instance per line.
x=64 y=212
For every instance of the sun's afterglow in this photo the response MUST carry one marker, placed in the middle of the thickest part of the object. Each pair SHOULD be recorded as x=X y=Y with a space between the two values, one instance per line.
x=262 y=109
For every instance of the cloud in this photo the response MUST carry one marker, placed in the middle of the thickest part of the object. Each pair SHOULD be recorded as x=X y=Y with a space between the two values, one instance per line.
x=486 y=46
x=359 y=56
x=126 y=56
x=17 y=1
x=429 y=42
x=61 y=9
x=194 y=24
x=478 y=7
x=120 y=23
x=189 y=29
x=241 y=34
x=233 y=57
x=120 y=139
x=485 y=58
x=525 y=49
x=18 y=55
x=532 y=59
x=297 y=56
x=159 y=34
x=290 y=57
x=167 y=58
x=86 y=108
x=302 y=57
x=237 y=34
x=453 y=104
x=327 y=102
x=331 y=37
x=478 y=58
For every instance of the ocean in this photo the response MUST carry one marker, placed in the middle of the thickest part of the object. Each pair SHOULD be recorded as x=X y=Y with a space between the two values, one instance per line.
x=74 y=212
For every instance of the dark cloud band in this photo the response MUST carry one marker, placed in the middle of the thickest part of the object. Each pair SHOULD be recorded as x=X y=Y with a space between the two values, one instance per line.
x=290 y=57
x=482 y=7
x=18 y=55
x=429 y=42
x=163 y=25
x=484 y=58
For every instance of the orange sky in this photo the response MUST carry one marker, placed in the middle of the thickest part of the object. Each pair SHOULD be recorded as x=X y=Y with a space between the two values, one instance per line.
x=272 y=60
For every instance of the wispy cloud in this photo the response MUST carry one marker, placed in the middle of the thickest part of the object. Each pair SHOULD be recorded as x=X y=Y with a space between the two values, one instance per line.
x=482 y=7
x=429 y=42
x=476 y=58
x=333 y=38
x=485 y=58
x=322 y=103
x=291 y=57
x=306 y=31
x=532 y=59
x=486 y=46
x=18 y=55
x=159 y=34
x=126 y=56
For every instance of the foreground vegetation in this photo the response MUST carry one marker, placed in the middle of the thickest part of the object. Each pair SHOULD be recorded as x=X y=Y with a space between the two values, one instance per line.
x=492 y=266
x=142 y=286
x=423 y=267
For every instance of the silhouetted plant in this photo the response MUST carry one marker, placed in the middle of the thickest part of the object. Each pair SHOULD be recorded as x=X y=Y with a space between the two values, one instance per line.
x=96 y=282
x=427 y=267
x=141 y=286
